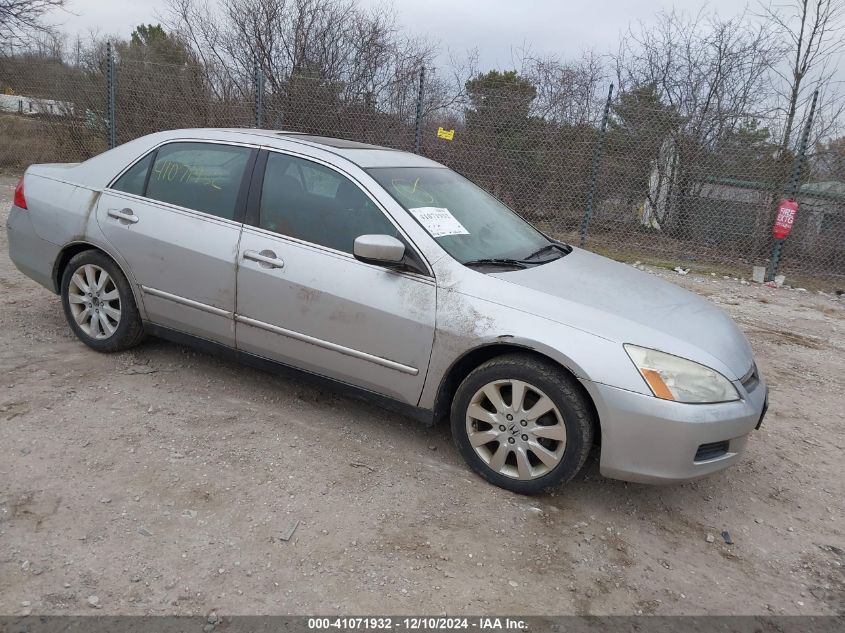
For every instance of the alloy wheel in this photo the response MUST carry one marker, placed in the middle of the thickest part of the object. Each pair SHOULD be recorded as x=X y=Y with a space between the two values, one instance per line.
x=94 y=301
x=516 y=429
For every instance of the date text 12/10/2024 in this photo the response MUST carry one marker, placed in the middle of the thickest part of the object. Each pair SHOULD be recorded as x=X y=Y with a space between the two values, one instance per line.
x=420 y=623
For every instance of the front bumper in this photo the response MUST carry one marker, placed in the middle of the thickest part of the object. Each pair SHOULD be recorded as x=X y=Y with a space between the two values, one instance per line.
x=648 y=440
x=33 y=256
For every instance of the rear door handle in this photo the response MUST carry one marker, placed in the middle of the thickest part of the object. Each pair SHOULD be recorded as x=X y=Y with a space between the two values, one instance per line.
x=127 y=215
x=266 y=258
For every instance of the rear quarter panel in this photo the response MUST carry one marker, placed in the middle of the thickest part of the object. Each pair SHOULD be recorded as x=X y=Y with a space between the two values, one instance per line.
x=63 y=213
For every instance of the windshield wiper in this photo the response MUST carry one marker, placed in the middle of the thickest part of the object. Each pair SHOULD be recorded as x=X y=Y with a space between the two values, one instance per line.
x=563 y=248
x=498 y=261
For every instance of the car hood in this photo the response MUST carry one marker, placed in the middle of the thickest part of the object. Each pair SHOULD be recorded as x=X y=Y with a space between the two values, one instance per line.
x=622 y=303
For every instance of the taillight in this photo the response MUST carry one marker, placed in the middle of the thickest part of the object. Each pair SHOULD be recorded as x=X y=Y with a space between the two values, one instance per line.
x=20 y=200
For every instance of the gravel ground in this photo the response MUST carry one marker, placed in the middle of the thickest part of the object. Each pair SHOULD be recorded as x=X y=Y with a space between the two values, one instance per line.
x=163 y=480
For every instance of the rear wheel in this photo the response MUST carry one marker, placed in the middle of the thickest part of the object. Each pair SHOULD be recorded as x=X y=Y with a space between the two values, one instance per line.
x=522 y=423
x=98 y=303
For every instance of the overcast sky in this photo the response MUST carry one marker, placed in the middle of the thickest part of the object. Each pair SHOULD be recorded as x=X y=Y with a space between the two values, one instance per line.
x=495 y=27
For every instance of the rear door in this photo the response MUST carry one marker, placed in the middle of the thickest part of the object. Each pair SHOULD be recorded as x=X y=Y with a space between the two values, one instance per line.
x=175 y=217
x=304 y=300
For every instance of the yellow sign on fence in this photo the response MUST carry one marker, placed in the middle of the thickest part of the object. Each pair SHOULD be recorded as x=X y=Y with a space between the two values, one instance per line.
x=445 y=134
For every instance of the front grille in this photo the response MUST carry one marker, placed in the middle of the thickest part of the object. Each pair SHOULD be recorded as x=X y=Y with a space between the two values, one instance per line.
x=751 y=379
x=712 y=450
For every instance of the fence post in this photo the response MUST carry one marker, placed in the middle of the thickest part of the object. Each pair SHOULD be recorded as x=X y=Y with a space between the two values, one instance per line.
x=258 y=85
x=110 y=80
x=418 y=121
x=594 y=172
x=792 y=187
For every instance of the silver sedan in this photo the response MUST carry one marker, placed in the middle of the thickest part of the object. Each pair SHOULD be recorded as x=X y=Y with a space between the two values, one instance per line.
x=394 y=276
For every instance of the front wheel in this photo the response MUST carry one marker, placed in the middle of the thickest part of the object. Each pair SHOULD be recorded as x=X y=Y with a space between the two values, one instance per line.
x=98 y=303
x=522 y=423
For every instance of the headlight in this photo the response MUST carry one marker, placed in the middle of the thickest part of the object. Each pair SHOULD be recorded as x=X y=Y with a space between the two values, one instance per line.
x=674 y=378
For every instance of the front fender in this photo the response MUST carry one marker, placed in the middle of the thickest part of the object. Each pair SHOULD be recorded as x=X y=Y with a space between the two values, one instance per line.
x=466 y=323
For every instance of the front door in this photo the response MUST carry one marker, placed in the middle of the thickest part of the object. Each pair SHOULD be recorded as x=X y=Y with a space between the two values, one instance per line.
x=304 y=300
x=174 y=218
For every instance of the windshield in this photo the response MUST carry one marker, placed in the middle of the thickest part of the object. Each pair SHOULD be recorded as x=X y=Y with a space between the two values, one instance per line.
x=466 y=221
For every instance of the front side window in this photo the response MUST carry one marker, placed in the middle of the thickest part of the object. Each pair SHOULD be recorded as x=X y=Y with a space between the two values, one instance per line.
x=311 y=202
x=466 y=221
x=201 y=176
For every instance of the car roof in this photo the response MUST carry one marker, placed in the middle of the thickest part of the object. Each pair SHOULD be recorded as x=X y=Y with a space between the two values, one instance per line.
x=362 y=154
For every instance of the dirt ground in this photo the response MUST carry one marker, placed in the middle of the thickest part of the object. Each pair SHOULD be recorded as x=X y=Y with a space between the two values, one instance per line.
x=161 y=481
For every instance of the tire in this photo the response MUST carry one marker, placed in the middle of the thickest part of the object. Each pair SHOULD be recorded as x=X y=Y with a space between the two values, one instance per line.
x=114 y=297
x=542 y=451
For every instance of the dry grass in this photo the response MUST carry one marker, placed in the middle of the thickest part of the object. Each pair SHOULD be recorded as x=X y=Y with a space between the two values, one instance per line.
x=27 y=140
x=826 y=283
x=24 y=141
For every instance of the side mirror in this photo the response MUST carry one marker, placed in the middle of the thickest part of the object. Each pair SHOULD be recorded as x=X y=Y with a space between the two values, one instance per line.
x=379 y=249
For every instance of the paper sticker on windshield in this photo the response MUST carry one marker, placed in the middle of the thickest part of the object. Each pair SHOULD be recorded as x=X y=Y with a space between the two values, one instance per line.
x=438 y=221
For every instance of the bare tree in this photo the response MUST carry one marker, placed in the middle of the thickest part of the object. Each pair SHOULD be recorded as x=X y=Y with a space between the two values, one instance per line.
x=18 y=17
x=328 y=40
x=711 y=75
x=331 y=66
x=711 y=71
x=813 y=33
x=830 y=160
x=568 y=91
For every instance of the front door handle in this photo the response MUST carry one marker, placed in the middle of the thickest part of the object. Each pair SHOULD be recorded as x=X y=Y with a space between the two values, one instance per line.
x=266 y=258
x=127 y=215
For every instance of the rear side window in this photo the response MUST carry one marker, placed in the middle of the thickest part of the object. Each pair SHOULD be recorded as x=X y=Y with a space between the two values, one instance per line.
x=201 y=176
x=310 y=202
x=132 y=181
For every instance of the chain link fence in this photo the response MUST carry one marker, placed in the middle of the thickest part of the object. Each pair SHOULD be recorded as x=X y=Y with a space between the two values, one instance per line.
x=634 y=180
